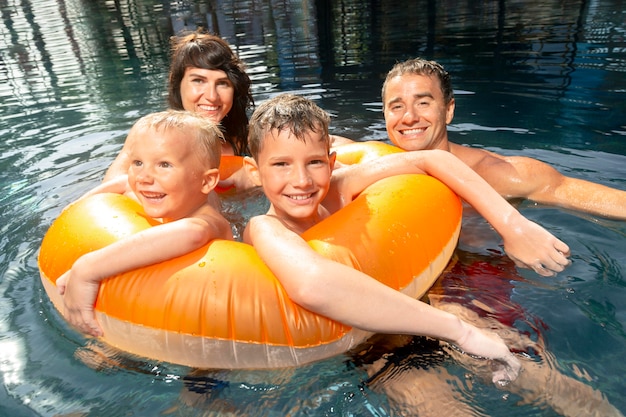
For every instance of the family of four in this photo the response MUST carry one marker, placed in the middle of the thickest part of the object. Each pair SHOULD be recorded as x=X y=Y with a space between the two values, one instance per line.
x=170 y=164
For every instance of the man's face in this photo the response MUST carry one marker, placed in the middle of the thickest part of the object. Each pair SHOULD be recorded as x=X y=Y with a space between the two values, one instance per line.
x=416 y=114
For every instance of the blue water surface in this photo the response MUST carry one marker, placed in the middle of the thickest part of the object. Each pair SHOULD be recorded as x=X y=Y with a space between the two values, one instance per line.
x=544 y=79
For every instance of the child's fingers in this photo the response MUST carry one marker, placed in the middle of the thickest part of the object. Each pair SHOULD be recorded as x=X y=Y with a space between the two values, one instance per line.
x=62 y=284
x=506 y=371
x=84 y=322
x=562 y=248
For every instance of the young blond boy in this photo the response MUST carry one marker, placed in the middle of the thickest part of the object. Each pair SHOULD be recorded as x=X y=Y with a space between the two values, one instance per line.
x=291 y=160
x=174 y=167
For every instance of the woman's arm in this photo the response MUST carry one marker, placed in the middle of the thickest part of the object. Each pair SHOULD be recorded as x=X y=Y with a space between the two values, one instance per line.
x=117 y=185
x=349 y=296
x=525 y=242
x=238 y=179
x=121 y=163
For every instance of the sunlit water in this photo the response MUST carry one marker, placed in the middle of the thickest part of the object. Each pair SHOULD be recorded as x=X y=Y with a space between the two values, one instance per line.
x=542 y=79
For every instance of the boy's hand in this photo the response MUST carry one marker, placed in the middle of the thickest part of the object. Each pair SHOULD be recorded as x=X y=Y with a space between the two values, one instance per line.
x=531 y=246
x=505 y=367
x=79 y=297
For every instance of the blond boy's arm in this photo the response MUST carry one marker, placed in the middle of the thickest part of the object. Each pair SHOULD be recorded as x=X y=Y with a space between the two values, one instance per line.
x=349 y=296
x=79 y=286
x=527 y=243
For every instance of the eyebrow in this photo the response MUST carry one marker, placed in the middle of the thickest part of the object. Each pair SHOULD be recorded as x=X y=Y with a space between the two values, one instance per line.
x=199 y=75
x=415 y=96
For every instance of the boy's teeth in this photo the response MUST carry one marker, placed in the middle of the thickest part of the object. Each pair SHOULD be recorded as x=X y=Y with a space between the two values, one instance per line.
x=300 y=197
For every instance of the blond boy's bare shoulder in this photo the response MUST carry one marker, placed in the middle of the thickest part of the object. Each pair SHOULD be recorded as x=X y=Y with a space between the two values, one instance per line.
x=213 y=220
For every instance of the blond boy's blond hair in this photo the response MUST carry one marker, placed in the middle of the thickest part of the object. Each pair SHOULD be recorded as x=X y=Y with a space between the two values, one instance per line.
x=206 y=135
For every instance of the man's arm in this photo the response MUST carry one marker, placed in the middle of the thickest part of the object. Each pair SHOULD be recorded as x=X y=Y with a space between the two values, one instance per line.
x=523 y=177
x=537 y=181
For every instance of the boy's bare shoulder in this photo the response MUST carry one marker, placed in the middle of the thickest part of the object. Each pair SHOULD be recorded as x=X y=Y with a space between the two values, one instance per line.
x=213 y=221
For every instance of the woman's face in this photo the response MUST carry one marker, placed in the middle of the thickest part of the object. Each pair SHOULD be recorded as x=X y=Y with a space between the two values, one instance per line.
x=207 y=92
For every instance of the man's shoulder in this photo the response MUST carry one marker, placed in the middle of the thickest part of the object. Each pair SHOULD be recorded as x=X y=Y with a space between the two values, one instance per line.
x=476 y=157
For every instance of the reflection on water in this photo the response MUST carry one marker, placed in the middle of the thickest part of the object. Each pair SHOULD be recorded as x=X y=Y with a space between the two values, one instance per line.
x=543 y=79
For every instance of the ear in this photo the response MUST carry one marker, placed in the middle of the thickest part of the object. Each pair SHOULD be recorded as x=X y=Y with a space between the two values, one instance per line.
x=252 y=170
x=210 y=179
x=332 y=158
x=450 y=111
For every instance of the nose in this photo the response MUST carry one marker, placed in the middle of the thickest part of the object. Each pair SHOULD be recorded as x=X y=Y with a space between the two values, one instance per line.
x=410 y=115
x=144 y=175
x=301 y=177
x=210 y=92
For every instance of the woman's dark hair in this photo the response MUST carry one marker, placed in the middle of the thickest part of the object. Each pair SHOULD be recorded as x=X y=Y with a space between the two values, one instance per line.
x=211 y=52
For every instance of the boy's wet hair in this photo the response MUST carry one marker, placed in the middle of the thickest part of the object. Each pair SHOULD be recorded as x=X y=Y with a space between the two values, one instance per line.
x=419 y=66
x=287 y=111
x=202 y=50
x=206 y=135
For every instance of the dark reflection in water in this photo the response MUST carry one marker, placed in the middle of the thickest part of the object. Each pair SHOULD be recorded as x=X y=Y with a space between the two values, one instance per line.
x=539 y=78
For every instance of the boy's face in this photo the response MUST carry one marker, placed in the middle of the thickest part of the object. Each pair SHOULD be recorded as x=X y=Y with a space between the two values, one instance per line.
x=416 y=114
x=295 y=174
x=166 y=176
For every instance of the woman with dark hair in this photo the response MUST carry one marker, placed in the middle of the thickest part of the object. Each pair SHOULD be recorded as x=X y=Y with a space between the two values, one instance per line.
x=206 y=77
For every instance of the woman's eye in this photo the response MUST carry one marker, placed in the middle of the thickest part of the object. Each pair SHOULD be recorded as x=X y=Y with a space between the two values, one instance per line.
x=136 y=163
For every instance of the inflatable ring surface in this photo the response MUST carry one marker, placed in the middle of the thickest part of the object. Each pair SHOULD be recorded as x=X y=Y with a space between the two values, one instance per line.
x=220 y=306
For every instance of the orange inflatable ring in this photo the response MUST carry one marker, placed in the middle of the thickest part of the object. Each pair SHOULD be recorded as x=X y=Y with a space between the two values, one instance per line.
x=220 y=306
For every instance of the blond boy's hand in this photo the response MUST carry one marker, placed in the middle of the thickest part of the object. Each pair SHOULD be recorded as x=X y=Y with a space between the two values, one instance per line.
x=79 y=297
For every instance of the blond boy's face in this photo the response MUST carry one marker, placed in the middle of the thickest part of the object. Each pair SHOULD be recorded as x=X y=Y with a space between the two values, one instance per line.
x=295 y=174
x=165 y=174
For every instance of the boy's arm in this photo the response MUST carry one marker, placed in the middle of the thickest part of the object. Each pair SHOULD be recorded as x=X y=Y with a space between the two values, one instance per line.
x=79 y=286
x=525 y=242
x=349 y=296
x=339 y=140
